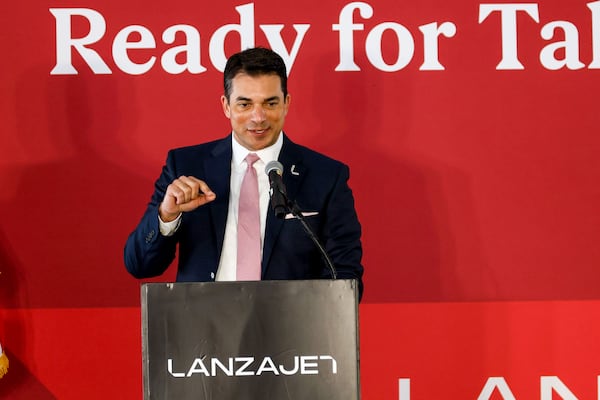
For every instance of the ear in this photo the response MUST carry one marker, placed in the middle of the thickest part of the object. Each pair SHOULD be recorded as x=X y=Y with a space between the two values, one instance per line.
x=286 y=103
x=226 y=107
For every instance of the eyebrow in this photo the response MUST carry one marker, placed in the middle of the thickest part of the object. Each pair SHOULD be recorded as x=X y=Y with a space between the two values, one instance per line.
x=269 y=99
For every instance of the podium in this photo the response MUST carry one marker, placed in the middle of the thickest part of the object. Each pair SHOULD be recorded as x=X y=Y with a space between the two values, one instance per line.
x=251 y=340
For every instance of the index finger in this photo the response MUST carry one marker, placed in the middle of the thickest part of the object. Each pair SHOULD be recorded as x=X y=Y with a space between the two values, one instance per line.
x=202 y=185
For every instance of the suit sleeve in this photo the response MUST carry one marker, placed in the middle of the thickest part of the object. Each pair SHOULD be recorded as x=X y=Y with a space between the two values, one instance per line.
x=343 y=231
x=147 y=252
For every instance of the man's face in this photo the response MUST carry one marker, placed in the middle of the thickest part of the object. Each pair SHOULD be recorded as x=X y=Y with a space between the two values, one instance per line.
x=256 y=108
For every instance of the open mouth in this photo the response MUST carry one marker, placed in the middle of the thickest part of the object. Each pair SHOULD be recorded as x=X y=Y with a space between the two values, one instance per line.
x=258 y=131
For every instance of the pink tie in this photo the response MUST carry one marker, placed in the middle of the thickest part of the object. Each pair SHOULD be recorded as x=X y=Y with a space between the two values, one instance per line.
x=248 y=229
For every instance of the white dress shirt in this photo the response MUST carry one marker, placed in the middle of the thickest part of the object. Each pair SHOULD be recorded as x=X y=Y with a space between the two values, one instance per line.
x=228 y=261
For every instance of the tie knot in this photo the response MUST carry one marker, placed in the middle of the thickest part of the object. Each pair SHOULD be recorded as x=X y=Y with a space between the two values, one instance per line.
x=251 y=158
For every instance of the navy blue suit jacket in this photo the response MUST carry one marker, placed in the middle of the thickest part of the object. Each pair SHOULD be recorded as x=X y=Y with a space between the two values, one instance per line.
x=318 y=184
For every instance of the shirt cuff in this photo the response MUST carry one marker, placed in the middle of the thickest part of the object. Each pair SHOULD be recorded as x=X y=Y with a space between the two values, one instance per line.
x=169 y=228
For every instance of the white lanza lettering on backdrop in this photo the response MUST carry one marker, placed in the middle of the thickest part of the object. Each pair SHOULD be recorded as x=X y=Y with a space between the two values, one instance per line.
x=346 y=26
x=548 y=386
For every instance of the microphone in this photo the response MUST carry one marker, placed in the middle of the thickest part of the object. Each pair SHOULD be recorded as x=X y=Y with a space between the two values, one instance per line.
x=279 y=202
x=281 y=205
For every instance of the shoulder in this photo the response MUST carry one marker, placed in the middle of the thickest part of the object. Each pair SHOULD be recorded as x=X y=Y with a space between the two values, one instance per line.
x=201 y=151
x=312 y=157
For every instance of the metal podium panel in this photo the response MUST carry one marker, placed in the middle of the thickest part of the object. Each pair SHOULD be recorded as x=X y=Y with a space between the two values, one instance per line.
x=251 y=340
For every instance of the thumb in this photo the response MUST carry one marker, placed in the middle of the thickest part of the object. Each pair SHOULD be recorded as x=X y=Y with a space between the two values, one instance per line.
x=198 y=201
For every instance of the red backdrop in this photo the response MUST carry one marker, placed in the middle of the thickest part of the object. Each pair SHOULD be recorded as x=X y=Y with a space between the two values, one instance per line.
x=473 y=163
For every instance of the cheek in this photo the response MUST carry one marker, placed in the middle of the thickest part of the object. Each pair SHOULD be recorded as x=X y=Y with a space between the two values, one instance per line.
x=277 y=116
x=237 y=119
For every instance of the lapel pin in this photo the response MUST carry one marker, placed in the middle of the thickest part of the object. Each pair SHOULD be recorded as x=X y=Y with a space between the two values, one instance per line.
x=293 y=170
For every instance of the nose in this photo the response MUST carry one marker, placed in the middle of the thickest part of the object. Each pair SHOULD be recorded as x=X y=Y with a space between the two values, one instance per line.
x=258 y=114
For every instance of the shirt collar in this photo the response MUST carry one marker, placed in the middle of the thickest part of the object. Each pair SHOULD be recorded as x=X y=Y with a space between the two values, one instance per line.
x=266 y=155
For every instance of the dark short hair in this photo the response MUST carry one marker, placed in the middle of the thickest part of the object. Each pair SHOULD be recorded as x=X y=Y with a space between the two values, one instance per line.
x=254 y=62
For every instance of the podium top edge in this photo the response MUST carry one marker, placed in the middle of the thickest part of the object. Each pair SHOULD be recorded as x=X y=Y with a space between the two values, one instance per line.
x=295 y=282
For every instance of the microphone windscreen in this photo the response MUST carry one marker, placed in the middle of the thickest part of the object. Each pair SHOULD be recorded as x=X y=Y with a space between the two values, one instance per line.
x=274 y=166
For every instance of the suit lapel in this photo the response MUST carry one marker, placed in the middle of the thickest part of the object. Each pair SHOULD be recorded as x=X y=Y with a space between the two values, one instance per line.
x=218 y=173
x=293 y=174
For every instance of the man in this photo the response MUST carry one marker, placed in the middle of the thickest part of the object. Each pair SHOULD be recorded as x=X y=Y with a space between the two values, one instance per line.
x=197 y=203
